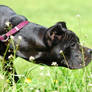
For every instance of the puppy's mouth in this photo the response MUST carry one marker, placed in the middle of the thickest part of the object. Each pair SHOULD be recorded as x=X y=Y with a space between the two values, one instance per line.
x=78 y=59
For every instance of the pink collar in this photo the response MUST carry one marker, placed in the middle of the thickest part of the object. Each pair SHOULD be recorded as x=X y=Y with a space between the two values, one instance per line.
x=13 y=31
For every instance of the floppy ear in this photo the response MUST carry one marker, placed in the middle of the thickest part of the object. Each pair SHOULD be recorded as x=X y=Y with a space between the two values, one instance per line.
x=55 y=33
x=63 y=24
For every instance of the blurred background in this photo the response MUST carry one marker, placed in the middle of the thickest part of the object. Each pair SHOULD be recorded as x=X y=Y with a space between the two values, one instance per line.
x=76 y=13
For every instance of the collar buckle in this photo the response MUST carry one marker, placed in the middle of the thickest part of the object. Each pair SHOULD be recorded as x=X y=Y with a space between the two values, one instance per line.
x=5 y=38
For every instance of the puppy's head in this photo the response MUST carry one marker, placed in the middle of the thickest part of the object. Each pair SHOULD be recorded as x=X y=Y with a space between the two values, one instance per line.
x=64 y=47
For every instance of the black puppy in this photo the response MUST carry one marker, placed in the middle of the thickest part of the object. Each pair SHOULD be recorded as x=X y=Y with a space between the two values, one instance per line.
x=45 y=44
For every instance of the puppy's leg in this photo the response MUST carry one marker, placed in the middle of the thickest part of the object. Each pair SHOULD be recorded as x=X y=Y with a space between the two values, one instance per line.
x=10 y=71
x=8 y=65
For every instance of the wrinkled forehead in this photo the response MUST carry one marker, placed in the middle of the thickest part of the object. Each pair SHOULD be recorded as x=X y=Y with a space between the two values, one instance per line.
x=72 y=36
x=69 y=39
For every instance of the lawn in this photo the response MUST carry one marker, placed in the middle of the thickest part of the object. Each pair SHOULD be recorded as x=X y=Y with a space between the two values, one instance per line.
x=37 y=78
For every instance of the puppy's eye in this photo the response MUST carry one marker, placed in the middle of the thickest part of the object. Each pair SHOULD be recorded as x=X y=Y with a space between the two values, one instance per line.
x=73 y=44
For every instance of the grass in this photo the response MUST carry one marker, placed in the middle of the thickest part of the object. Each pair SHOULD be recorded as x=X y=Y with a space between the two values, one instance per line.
x=52 y=79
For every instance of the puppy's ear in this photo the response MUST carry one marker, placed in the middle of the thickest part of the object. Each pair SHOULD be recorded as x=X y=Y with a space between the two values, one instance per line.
x=63 y=24
x=55 y=33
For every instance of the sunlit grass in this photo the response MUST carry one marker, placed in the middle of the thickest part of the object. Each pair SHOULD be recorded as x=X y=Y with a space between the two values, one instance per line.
x=37 y=78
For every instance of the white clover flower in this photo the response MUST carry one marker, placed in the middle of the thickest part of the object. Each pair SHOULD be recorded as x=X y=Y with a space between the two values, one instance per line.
x=19 y=75
x=12 y=37
x=11 y=56
x=41 y=67
x=37 y=90
x=48 y=74
x=89 y=84
x=7 y=23
x=20 y=37
x=78 y=15
x=82 y=43
x=61 y=51
x=54 y=63
x=9 y=50
x=55 y=91
x=31 y=88
x=31 y=58
x=90 y=76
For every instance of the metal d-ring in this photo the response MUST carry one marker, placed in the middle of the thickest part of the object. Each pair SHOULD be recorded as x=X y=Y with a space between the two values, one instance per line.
x=5 y=39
